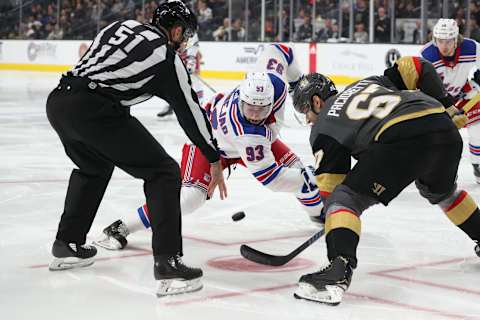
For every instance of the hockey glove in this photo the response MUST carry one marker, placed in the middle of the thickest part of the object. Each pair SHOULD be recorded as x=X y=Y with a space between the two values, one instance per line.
x=309 y=179
x=458 y=118
x=309 y=196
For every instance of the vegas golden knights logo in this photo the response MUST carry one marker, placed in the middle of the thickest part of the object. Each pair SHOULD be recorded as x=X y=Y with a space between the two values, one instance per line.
x=378 y=188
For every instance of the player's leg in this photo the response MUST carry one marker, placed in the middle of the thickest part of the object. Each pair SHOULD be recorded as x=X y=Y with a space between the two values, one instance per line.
x=87 y=184
x=162 y=183
x=195 y=170
x=368 y=183
x=309 y=196
x=85 y=191
x=438 y=186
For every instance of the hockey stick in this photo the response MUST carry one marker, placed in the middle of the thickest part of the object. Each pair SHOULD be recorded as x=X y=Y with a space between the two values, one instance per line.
x=254 y=255
x=205 y=83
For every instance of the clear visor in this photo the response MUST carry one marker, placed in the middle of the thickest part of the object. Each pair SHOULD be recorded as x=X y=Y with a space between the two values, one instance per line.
x=255 y=114
x=300 y=113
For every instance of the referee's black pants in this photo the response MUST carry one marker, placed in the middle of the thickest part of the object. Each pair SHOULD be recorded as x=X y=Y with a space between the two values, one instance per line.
x=99 y=134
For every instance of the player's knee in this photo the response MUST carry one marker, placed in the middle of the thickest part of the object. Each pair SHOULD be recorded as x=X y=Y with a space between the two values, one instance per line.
x=192 y=198
x=432 y=196
x=345 y=197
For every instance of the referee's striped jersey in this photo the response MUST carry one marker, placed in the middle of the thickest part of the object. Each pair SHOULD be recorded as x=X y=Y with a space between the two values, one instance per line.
x=131 y=62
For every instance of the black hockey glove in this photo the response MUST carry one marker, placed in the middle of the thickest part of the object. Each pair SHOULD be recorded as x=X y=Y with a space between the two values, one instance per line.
x=476 y=77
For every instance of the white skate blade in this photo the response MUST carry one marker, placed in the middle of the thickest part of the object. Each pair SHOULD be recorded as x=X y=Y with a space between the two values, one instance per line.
x=69 y=263
x=332 y=295
x=170 y=287
x=108 y=243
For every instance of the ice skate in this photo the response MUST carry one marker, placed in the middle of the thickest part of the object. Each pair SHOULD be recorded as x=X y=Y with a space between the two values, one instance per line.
x=115 y=236
x=327 y=285
x=71 y=255
x=174 y=277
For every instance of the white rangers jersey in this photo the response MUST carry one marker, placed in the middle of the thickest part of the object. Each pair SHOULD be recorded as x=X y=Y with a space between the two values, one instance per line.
x=454 y=73
x=238 y=138
x=280 y=60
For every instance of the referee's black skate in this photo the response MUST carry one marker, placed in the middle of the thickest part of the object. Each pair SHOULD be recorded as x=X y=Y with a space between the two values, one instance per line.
x=327 y=285
x=115 y=236
x=174 y=277
x=71 y=255
x=477 y=248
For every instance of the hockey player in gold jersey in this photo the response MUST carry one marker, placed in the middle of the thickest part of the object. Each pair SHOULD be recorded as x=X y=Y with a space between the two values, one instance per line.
x=398 y=135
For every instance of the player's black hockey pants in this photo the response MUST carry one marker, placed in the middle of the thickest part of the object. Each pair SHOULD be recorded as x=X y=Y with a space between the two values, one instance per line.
x=98 y=134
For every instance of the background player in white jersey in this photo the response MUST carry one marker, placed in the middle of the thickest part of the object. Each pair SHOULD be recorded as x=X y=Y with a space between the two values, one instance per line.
x=191 y=57
x=456 y=59
x=280 y=60
x=239 y=121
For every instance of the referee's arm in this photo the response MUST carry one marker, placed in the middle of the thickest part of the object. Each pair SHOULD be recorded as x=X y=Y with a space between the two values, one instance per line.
x=179 y=94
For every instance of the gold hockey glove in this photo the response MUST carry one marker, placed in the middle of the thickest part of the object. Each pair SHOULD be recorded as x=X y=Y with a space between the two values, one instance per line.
x=458 y=118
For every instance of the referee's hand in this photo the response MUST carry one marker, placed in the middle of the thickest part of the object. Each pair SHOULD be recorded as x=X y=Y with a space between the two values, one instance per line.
x=216 y=172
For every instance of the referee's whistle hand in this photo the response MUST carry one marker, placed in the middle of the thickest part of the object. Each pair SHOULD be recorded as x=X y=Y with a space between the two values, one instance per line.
x=216 y=173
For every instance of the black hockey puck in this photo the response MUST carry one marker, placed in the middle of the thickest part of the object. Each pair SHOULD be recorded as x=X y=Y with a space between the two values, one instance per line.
x=238 y=216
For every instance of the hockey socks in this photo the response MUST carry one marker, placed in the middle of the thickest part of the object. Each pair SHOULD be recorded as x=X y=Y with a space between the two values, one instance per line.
x=143 y=216
x=462 y=210
x=343 y=228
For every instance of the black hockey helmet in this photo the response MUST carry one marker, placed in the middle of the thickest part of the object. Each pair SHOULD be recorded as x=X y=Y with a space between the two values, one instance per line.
x=310 y=85
x=175 y=12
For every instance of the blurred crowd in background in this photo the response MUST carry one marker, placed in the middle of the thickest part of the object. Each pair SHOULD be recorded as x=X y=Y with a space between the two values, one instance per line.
x=241 y=20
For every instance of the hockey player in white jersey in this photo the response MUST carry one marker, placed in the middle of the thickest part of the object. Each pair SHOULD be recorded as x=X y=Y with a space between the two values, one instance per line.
x=241 y=121
x=280 y=60
x=456 y=60
x=191 y=57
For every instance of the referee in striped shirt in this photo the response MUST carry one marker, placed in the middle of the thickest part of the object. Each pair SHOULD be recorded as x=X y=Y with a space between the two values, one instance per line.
x=127 y=63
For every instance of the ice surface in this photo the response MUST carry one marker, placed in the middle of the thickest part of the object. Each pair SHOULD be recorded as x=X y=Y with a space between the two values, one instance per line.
x=413 y=263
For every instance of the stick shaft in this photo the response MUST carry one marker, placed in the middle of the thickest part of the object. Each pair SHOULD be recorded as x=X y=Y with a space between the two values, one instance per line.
x=205 y=83
x=260 y=257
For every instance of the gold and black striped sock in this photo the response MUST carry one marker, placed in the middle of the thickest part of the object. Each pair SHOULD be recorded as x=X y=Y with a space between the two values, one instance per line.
x=464 y=213
x=343 y=228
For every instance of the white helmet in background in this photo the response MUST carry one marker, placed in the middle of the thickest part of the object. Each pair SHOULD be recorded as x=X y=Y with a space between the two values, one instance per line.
x=445 y=29
x=256 y=96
